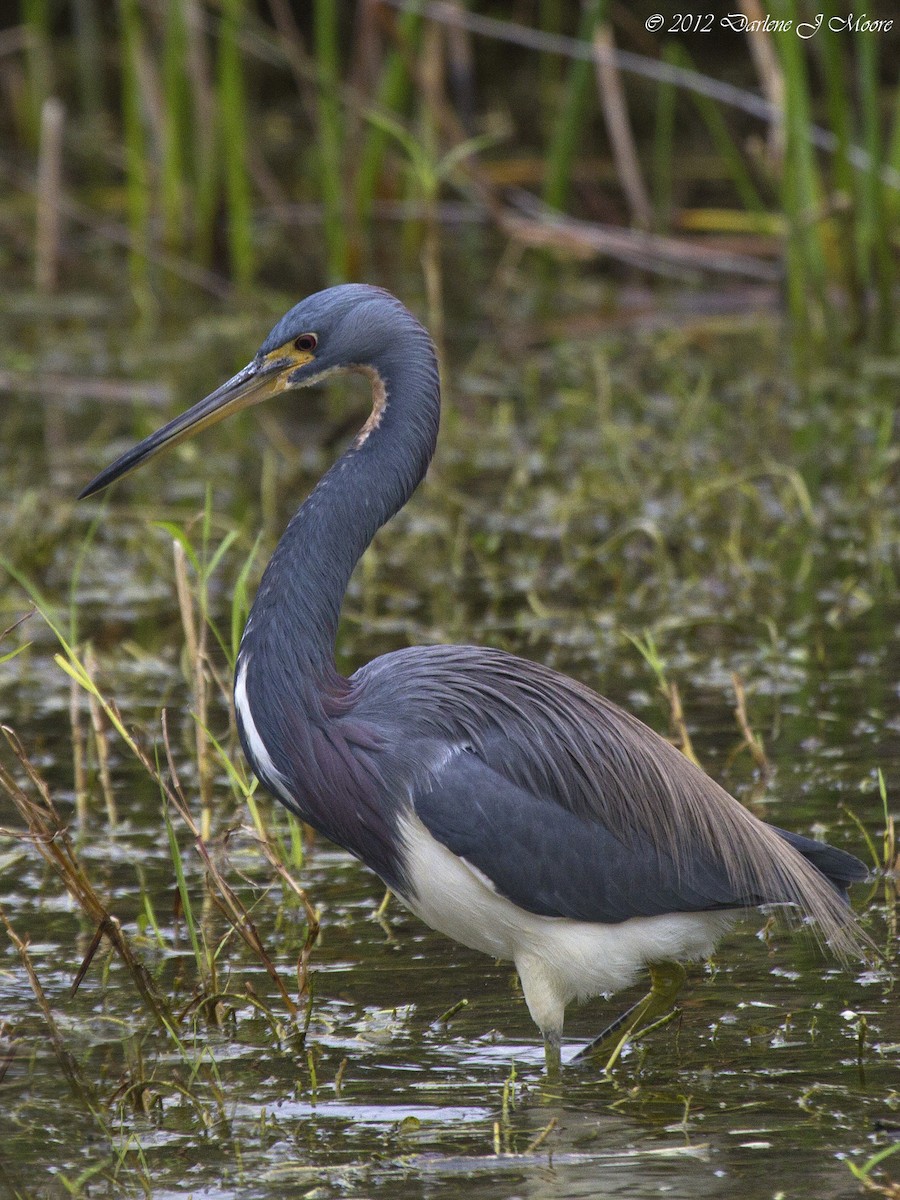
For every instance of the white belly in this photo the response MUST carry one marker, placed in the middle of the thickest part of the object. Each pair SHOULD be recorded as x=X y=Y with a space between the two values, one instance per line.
x=559 y=960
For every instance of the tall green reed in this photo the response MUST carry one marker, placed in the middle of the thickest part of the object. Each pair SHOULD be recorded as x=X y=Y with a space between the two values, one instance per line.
x=233 y=142
x=663 y=149
x=176 y=127
x=569 y=124
x=391 y=96
x=836 y=206
x=877 y=256
x=89 y=55
x=137 y=172
x=38 y=59
x=730 y=154
x=331 y=138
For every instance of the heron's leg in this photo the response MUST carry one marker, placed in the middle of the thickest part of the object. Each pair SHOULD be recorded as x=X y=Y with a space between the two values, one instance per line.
x=666 y=982
x=552 y=1053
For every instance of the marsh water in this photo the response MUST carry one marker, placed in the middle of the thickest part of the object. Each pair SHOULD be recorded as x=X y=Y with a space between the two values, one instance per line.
x=633 y=488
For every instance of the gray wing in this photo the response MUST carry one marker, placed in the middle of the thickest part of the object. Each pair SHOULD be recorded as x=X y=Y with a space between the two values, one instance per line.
x=551 y=862
x=571 y=769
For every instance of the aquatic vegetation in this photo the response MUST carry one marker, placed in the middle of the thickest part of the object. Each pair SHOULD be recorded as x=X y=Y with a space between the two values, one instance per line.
x=680 y=494
x=609 y=485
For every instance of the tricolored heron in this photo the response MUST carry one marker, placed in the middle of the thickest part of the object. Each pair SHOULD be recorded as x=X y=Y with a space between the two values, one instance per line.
x=509 y=806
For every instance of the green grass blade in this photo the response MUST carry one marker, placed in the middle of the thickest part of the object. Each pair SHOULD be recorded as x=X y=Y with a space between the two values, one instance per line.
x=36 y=20
x=173 y=169
x=727 y=149
x=569 y=124
x=233 y=143
x=801 y=196
x=186 y=908
x=137 y=174
x=391 y=97
x=880 y=269
x=664 y=146
x=331 y=138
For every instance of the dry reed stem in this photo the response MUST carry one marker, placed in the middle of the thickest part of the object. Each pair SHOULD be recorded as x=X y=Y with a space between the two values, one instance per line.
x=151 y=89
x=771 y=76
x=679 y=725
x=48 y=833
x=18 y=621
x=49 y=185
x=7 y=1055
x=431 y=80
x=537 y=1142
x=66 y=1060
x=101 y=742
x=195 y=643
x=371 y=28
x=615 y=113
x=461 y=71
x=79 y=767
x=185 y=604
x=535 y=225
x=312 y=917
x=82 y=387
x=891 y=860
x=93 y=947
x=203 y=99
x=752 y=741
x=223 y=895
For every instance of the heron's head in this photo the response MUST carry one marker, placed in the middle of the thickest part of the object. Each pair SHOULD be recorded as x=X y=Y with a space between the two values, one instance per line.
x=342 y=328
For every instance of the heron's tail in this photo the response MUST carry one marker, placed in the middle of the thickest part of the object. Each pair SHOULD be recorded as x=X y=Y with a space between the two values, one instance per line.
x=839 y=868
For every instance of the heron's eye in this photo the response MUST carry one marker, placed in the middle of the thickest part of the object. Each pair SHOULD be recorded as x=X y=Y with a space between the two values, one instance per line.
x=306 y=342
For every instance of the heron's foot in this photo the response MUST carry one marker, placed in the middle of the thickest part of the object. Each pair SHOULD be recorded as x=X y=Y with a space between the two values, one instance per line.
x=654 y=1010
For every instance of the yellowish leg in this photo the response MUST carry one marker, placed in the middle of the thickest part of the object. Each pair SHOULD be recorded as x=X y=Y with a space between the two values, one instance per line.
x=666 y=981
x=552 y=1055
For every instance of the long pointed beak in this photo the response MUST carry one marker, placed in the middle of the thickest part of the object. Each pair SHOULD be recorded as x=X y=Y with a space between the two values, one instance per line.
x=256 y=382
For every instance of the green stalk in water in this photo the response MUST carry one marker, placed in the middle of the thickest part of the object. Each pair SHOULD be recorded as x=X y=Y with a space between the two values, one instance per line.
x=892 y=195
x=551 y=20
x=173 y=170
x=845 y=183
x=233 y=143
x=89 y=51
x=664 y=146
x=875 y=249
x=801 y=198
x=331 y=138
x=392 y=94
x=573 y=112
x=137 y=175
x=728 y=151
x=204 y=959
x=36 y=22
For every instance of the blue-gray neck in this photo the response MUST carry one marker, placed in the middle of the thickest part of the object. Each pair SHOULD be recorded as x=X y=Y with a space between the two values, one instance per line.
x=293 y=622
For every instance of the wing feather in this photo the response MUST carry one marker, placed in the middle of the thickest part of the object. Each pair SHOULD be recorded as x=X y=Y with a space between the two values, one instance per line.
x=554 y=738
x=551 y=862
